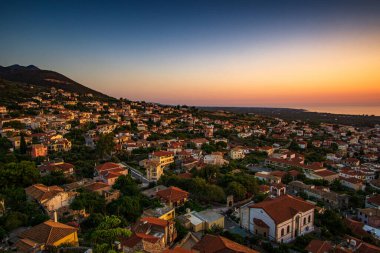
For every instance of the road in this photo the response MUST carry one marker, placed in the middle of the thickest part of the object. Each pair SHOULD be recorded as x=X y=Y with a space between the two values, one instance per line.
x=135 y=174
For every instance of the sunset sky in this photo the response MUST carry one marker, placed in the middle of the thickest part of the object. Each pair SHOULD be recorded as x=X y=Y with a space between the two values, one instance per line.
x=226 y=53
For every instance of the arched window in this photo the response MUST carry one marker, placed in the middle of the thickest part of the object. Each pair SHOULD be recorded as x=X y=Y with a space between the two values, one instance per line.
x=304 y=221
x=288 y=229
x=309 y=219
x=282 y=232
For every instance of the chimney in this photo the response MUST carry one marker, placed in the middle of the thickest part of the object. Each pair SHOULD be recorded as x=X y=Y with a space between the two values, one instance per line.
x=55 y=216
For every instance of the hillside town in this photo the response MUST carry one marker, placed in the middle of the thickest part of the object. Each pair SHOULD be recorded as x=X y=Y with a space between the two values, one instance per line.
x=79 y=173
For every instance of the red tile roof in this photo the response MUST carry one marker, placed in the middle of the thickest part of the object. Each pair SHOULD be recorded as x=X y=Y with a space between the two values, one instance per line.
x=283 y=208
x=213 y=244
x=155 y=221
x=138 y=237
x=107 y=166
x=374 y=199
x=318 y=246
x=163 y=153
x=177 y=250
x=260 y=223
x=48 y=232
x=172 y=194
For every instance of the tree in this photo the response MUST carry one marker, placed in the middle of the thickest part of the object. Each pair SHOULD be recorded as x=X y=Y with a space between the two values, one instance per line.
x=5 y=145
x=237 y=190
x=332 y=223
x=107 y=232
x=92 y=202
x=21 y=174
x=23 y=146
x=127 y=186
x=208 y=148
x=105 y=145
x=209 y=173
x=128 y=207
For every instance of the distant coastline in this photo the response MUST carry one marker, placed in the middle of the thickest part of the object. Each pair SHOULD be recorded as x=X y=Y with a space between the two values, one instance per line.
x=348 y=110
x=356 y=118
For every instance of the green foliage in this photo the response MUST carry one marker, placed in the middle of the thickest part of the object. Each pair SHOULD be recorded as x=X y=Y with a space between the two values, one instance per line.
x=208 y=148
x=331 y=223
x=249 y=182
x=126 y=206
x=54 y=178
x=237 y=190
x=209 y=173
x=5 y=146
x=127 y=186
x=92 y=202
x=105 y=145
x=14 y=124
x=199 y=188
x=181 y=230
x=205 y=192
x=21 y=174
x=107 y=232
x=234 y=237
x=23 y=146
x=21 y=212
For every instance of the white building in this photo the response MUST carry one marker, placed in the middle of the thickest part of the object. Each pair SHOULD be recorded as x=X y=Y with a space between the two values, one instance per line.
x=281 y=219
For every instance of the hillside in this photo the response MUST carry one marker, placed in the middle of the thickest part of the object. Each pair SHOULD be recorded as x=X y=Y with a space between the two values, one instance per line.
x=45 y=78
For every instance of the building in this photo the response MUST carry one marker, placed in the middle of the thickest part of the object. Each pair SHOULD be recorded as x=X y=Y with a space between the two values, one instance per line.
x=3 y=110
x=150 y=235
x=209 y=131
x=39 y=150
x=373 y=201
x=329 y=198
x=154 y=170
x=173 y=196
x=163 y=157
x=104 y=190
x=57 y=165
x=200 y=221
x=45 y=236
x=163 y=213
x=236 y=153
x=318 y=246
x=281 y=219
x=352 y=183
x=215 y=158
x=218 y=244
x=244 y=215
x=50 y=197
x=369 y=216
x=109 y=172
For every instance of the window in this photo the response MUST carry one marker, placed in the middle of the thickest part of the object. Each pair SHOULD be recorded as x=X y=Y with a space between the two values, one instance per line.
x=309 y=219
x=288 y=229
x=282 y=232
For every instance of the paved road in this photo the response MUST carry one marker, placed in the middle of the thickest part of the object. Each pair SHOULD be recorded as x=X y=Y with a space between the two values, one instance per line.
x=136 y=174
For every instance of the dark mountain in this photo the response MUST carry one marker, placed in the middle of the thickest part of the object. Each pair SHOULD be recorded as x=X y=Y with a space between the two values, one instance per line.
x=46 y=78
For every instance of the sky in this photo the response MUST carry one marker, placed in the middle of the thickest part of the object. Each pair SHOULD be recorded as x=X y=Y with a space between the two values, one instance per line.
x=219 y=53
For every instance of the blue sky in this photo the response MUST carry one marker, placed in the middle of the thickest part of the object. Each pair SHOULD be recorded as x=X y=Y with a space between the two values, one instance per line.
x=136 y=49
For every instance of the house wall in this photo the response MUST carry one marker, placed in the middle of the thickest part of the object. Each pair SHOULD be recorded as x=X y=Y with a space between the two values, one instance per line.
x=259 y=213
x=218 y=223
x=71 y=239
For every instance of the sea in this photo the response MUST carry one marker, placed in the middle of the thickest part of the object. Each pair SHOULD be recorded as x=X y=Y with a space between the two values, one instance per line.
x=347 y=109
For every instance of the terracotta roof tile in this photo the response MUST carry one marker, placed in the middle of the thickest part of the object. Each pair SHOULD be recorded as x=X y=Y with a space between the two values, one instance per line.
x=212 y=243
x=48 y=232
x=318 y=246
x=172 y=194
x=283 y=208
